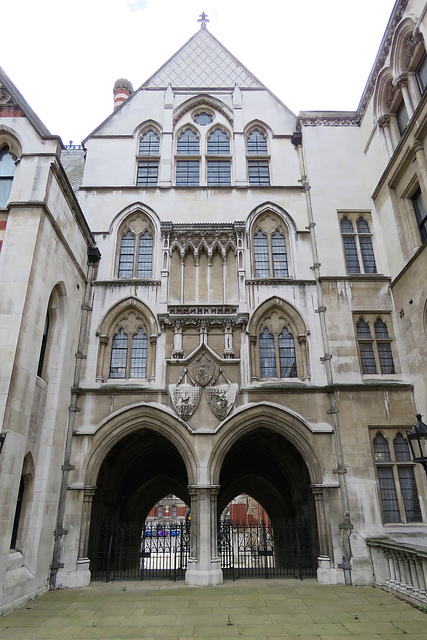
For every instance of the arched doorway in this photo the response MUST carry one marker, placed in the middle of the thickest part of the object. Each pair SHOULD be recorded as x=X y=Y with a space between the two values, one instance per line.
x=138 y=472
x=267 y=461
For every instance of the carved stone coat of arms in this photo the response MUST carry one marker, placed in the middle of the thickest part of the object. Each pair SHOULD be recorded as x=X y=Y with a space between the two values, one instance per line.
x=185 y=397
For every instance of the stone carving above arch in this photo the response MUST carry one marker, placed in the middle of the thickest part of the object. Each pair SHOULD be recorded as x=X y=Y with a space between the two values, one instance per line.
x=199 y=101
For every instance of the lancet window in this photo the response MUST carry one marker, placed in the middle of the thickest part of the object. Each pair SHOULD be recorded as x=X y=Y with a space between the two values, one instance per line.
x=149 y=158
x=374 y=342
x=135 y=248
x=270 y=259
x=357 y=241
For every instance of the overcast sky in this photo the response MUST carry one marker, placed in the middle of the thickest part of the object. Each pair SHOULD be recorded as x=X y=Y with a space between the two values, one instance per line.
x=65 y=57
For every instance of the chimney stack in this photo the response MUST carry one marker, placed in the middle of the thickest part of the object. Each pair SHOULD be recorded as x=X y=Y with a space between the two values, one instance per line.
x=122 y=90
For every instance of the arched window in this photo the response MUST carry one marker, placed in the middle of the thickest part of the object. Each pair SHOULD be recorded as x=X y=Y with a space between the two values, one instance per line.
x=188 y=143
x=43 y=347
x=7 y=171
x=258 y=168
x=270 y=258
x=277 y=354
x=127 y=339
x=149 y=143
x=135 y=250
x=218 y=143
x=148 y=165
x=374 y=347
x=358 y=246
x=396 y=480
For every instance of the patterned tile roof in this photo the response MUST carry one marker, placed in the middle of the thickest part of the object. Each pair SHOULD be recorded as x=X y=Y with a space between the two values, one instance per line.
x=203 y=62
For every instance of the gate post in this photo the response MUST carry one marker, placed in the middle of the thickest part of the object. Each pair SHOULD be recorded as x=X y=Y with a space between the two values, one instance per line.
x=323 y=560
x=204 y=565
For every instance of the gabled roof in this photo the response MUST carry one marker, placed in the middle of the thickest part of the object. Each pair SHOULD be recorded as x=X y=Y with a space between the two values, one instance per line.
x=202 y=62
x=13 y=103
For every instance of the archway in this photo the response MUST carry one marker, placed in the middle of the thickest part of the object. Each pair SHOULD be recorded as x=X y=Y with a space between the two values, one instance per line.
x=137 y=472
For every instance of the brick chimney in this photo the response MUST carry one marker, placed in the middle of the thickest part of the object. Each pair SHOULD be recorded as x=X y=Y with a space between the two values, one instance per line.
x=122 y=90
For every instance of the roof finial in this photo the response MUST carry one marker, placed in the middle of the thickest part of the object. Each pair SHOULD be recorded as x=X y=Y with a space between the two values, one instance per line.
x=203 y=19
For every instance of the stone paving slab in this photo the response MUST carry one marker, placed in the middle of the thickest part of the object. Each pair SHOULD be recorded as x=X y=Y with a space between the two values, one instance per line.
x=261 y=609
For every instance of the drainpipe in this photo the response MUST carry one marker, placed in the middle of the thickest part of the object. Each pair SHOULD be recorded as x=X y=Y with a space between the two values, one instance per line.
x=93 y=258
x=346 y=525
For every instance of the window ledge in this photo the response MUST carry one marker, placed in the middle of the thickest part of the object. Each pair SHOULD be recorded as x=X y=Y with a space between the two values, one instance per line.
x=277 y=281
x=381 y=377
x=118 y=282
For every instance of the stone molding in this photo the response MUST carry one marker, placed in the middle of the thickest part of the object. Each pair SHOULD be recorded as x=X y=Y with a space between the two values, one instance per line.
x=200 y=102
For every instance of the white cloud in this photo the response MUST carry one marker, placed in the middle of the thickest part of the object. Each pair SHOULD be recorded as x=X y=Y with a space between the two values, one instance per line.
x=137 y=5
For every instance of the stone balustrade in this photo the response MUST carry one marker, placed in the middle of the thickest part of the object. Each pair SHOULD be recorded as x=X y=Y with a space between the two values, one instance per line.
x=400 y=569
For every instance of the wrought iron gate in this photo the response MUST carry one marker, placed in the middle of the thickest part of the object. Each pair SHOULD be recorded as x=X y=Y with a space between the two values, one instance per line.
x=267 y=551
x=128 y=552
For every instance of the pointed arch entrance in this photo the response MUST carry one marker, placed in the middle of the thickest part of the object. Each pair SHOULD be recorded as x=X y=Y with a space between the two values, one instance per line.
x=138 y=462
x=267 y=454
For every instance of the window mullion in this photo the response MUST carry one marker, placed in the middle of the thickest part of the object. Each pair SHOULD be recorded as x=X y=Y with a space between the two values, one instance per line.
x=277 y=354
x=128 y=356
x=271 y=272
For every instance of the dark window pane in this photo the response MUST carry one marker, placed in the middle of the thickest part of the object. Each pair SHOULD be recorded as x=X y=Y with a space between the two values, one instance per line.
x=187 y=173
x=288 y=365
x=368 y=257
x=421 y=73
x=261 y=262
x=138 y=355
x=147 y=173
x=7 y=171
x=145 y=255
x=256 y=143
x=203 y=118
x=346 y=225
x=267 y=355
x=149 y=144
x=351 y=256
x=362 y=226
x=218 y=143
x=219 y=173
x=188 y=143
x=420 y=213
x=402 y=117
x=381 y=330
x=363 y=329
x=119 y=351
x=388 y=494
x=127 y=252
x=401 y=449
x=381 y=449
x=386 y=358
x=367 y=357
x=409 y=491
x=44 y=345
x=259 y=173
x=280 y=261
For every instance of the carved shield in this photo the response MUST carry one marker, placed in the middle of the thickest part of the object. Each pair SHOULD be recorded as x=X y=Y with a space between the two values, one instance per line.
x=203 y=369
x=221 y=399
x=185 y=398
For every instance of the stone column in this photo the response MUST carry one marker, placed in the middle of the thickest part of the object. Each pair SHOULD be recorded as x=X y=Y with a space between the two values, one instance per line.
x=204 y=565
x=88 y=494
x=324 y=557
x=252 y=344
x=153 y=342
x=302 y=340
x=103 y=341
x=383 y=123
x=422 y=168
x=402 y=83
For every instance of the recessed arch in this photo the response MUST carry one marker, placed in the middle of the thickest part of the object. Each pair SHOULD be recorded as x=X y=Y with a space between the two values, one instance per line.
x=402 y=50
x=200 y=101
x=131 y=209
x=274 y=418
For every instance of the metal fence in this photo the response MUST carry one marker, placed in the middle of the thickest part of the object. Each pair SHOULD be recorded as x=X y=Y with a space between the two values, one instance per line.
x=267 y=551
x=129 y=552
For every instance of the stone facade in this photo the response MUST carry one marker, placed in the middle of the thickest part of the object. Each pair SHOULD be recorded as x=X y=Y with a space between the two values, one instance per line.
x=256 y=323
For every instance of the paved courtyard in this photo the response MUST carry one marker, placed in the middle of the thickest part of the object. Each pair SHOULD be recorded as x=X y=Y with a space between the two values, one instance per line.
x=258 y=609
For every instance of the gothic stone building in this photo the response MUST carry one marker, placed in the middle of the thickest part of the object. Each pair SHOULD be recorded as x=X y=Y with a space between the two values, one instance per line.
x=215 y=296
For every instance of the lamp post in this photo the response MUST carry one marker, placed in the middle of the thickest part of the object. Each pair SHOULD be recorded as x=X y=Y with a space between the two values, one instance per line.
x=417 y=439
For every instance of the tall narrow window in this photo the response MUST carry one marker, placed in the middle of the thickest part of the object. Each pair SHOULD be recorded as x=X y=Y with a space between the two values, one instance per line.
x=127 y=254
x=384 y=347
x=267 y=355
x=258 y=169
x=148 y=173
x=7 y=171
x=398 y=489
x=261 y=256
x=402 y=117
x=145 y=255
x=188 y=143
x=366 y=347
x=278 y=250
x=288 y=365
x=43 y=347
x=149 y=144
x=358 y=246
x=219 y=173
x=420 y=213
x=119 y=352
x=17 y=517
x=138 y=358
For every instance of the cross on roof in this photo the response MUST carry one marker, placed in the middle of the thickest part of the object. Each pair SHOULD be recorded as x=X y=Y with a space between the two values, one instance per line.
x=203 y=19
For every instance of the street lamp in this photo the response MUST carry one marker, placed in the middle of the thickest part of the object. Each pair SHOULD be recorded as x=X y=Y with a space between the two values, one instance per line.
x=417 y=439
